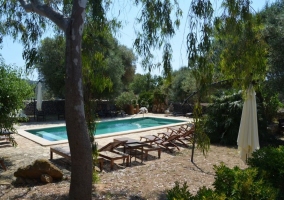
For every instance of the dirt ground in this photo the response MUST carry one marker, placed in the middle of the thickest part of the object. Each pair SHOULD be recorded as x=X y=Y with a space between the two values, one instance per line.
x=142 y=180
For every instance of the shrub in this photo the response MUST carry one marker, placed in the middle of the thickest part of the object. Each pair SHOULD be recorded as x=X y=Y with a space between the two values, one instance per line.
x=146 y=99
x=270 y=164
x=242 y=184
x=179 y=193
x=208 y=194
x=223 y=118
x=224 y=115
x=13 y=90
x=230 y=184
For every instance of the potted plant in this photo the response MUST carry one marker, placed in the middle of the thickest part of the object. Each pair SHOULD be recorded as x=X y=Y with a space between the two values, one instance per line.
x=124 y=101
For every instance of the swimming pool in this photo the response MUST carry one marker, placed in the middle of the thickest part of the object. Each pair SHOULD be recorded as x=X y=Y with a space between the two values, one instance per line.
x=105 y=128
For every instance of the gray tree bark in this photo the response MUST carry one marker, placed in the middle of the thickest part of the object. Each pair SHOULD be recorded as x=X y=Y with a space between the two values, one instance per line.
x=79 y=142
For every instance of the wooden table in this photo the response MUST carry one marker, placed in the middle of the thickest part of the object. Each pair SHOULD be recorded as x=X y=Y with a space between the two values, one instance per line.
x=133 y=144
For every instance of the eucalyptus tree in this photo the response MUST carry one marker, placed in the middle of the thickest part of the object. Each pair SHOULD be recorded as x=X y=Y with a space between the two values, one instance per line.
x=242 y=49
x=199 y=45
x=28 y=20
x=243 y=58
x=158 y=27
x=104 y=61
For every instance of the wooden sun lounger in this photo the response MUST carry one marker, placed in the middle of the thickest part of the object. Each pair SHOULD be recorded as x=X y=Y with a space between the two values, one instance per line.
x=64 y=151
x=167 y=143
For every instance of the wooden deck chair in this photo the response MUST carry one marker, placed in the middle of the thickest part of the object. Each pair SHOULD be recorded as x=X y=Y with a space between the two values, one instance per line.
x=167 y=143
x=110 y=153
x=149 y=138
x=185 y=134
x=180 y=129
x=64 y=151
x=177 y=130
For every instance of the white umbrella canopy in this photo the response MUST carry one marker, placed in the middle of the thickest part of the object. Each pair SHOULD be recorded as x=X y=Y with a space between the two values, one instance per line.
x=39 y=97
x=248 y=140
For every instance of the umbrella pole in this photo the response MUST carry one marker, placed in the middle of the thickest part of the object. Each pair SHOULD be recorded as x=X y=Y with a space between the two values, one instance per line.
x=193 y=147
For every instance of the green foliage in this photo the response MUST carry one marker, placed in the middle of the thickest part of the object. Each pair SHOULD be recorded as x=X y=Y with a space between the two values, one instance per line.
x=125 y=98
x=272 y=17
x=106 y=65
x=26 y=27
x=179 y=193
x=198 y=46
x=145 y=83
x=271 y=103
x=270 y=164
x=208 y=194
x=139 y=83
x=128 y=60
x=95 y=154
x=244 y=184
x=244 y=54
x=223 y=117
x=13 y=91
x=146 y=99
x=201 y=138
x=229 y=184
x=182 y=85
x=157 y=28
x=50 y=64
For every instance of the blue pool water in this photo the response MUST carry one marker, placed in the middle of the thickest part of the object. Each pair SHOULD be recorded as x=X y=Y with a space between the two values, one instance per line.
x=59 y=133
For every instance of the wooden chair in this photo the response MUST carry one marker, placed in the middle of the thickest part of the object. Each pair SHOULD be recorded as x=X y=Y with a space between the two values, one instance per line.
x=185 y=133
x=7 y=136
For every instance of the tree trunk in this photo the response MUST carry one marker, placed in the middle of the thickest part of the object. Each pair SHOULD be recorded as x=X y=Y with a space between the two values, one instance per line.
x=79 y=142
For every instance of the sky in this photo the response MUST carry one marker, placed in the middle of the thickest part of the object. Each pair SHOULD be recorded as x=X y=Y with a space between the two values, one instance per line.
x=123 y=10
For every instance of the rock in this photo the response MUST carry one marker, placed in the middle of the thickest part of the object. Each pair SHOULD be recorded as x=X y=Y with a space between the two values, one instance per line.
x=30 y=181
x=37 y=168
x=45 y=178
x=20 y=180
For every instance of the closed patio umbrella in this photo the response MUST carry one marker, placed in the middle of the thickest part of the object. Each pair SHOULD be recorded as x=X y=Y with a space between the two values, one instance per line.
x=39 y=97
x=248 y=140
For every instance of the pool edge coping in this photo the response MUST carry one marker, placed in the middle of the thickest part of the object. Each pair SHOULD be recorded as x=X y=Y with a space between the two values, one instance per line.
x=44 y=142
